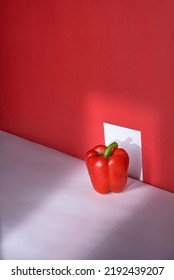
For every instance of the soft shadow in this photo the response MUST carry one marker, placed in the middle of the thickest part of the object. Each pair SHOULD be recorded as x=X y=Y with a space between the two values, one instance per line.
x=131 y=185
x=134 y=152
x=145 y=234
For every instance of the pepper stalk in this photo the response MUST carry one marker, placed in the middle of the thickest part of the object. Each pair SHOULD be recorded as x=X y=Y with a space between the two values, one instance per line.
x=107 y=152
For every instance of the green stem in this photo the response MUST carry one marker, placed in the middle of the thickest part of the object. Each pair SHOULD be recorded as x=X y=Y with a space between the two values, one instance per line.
x=108 y=150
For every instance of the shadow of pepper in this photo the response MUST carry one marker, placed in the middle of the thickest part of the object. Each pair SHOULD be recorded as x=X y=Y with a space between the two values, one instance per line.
x=135 y=157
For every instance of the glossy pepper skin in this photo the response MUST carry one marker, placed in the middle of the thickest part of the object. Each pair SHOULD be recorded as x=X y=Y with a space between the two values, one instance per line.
x=107 y=168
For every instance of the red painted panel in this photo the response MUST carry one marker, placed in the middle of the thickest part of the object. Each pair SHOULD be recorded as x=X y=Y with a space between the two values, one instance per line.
x=68 y=66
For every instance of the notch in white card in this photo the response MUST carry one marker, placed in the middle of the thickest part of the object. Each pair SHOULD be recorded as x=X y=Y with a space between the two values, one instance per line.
x=130 y=140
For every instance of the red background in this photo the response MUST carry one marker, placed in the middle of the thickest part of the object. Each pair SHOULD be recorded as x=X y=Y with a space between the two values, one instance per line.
x=68 y=66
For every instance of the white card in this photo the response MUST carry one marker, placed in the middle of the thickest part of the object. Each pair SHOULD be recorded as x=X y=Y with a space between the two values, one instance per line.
x=130 y=140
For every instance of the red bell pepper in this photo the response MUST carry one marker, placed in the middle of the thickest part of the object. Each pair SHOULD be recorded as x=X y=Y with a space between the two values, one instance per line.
x=107 y=168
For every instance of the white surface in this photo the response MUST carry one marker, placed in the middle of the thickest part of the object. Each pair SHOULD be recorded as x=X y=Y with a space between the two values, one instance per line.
x=130 y=140
x=49 y=210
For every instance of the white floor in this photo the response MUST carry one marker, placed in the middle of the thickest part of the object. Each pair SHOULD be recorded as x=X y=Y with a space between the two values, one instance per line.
x=49 y=210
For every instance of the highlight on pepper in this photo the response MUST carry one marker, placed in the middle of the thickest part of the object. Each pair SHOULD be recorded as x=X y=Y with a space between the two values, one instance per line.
x=107 y=168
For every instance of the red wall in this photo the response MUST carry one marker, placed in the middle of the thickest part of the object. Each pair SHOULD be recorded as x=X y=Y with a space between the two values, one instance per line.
x=68 y=66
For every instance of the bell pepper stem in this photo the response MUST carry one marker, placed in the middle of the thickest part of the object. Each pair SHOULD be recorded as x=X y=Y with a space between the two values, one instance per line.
x=108 y=150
